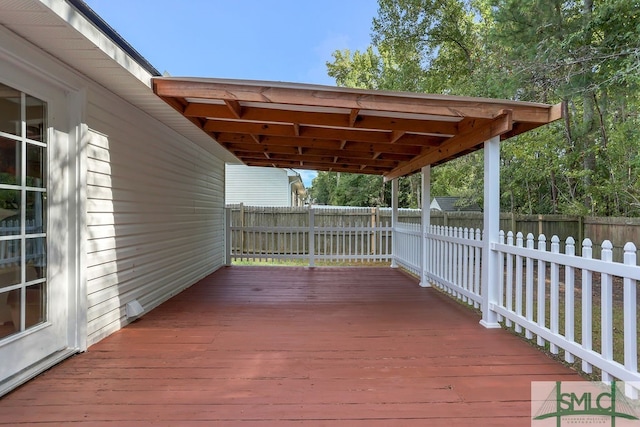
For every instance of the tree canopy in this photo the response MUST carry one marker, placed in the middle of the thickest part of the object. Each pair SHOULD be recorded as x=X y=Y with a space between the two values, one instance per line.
x=584 y=53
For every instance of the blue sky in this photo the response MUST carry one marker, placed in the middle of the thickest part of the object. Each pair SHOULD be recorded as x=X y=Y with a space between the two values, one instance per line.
x=279 y=40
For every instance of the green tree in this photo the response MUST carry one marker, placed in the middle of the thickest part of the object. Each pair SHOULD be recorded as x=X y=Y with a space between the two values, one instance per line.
x=584 y=53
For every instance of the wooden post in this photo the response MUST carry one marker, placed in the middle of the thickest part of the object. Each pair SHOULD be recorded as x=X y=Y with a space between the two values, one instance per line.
x=394 y=221
x=581 y=234
x=228 y=217
x=490 y=264
x=241 y=228
x=426 y=222
x=372 y=234
x=312 y=238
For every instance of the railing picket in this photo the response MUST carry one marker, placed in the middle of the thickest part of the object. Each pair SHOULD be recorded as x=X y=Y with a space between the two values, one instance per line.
x=606 y=309
x=509 y=281
x=454 y=261
x=630 y=325
x=501 y=281
x=476 y=273
x=519 y=284
x=569 y=299
x=587 y=299
x=529 y=286
x=465 y=265
x=554 y=299
x=542 y=291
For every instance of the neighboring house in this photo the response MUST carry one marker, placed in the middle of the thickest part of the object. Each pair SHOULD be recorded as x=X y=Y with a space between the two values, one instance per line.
x=109 y=198
x=263 y=186
x=453 y=204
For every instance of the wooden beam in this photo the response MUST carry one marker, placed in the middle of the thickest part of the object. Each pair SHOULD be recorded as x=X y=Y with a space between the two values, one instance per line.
x=386 y=164
x=320 y=144
x=312 y=152
x=556 y=112
x=325 y=96
x=256 y=138
x=421 y=140
x=317 y=166
x=339 y=120
x=501 y=124
x=277 y=129
x=248 y=128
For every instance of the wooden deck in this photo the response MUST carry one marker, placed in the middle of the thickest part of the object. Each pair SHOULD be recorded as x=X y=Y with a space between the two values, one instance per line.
x=269 y=346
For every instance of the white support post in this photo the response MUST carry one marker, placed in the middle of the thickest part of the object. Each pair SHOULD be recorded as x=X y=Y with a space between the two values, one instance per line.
x=490 y=260
x=312 y=238
x=394 y=222
x=426 y=222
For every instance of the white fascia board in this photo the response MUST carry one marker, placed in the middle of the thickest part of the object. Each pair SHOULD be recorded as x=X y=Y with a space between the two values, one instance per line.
x=96 y=37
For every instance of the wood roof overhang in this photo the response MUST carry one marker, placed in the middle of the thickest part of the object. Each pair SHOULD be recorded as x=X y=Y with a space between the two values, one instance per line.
x=327 y=128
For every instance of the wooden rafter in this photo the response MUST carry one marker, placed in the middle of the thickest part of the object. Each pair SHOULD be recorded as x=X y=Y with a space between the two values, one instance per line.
x=346 y=130
x=458 y=144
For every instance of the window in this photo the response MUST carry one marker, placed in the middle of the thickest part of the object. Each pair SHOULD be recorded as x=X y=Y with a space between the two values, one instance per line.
x=23 y=211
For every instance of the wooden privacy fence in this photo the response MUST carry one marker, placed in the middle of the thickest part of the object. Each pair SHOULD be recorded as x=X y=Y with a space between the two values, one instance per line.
x=618 y=231
x=329 y=234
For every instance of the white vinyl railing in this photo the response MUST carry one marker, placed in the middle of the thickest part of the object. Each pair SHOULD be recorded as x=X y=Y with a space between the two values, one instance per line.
x=454 y=264
x=408 y=247
x=584 y=307
x=571 y=303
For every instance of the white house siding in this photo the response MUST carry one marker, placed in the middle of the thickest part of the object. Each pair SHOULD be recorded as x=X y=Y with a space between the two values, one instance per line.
x=154 y=212
x=256 y=186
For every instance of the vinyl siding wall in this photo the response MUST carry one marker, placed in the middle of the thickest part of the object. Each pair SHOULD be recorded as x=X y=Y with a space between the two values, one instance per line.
x=154 y=212
x=256 y=186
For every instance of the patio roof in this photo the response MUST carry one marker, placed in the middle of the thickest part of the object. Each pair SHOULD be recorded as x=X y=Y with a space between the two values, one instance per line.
x=328 y=128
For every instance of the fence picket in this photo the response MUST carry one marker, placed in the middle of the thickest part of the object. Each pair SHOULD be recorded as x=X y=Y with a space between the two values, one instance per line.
x=554 y=299
x=587 y=301
x=501 y=281
x=529 y=286
x=569 y=299
x=630 y=319
x=542 y=291
x=519 y=260
x=476 y=273
x=509 y=281
x=606 y=309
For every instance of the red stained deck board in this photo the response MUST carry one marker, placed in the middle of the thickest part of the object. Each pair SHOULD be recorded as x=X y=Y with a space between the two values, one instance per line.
x=280 y=346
